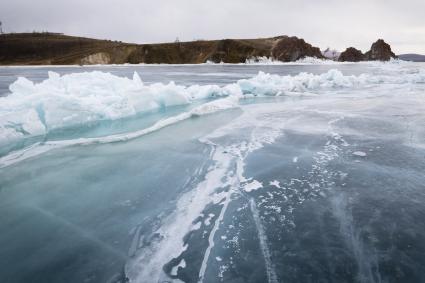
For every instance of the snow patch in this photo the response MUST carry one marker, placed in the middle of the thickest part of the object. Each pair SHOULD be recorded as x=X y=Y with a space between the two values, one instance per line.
x=181 y=264
x=253 y=186
x=360 y=153
x=276 y=184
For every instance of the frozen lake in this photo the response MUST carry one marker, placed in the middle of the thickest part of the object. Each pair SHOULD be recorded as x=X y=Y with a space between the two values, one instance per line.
x=232 y=173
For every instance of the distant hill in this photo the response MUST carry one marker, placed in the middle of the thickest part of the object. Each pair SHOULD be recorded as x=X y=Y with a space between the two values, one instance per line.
x=59 y=49
x=412 y=57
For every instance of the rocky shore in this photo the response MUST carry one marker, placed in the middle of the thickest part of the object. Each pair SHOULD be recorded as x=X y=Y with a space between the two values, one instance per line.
x=379 y=51
x=59 y=49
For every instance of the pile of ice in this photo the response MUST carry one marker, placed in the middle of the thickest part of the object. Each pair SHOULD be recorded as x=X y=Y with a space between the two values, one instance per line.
x=262 y=60
x=36 y=108
x=59 y=101
x=268 y=85
x=315 y=61
x=209 y=62
x=303 y=61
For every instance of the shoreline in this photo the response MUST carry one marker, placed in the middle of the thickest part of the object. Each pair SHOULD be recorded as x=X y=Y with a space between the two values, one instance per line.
x=211 y=64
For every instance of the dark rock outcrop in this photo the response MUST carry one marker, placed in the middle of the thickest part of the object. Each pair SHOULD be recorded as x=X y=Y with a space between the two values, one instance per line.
x=380 y=51
x=236 y=51
x=351 y=54
x=288 y=49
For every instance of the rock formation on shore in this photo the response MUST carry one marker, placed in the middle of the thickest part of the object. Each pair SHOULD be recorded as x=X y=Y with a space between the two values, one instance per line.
x=289 y=49
x=351 y=54
x=59 y=49
x=380 y=51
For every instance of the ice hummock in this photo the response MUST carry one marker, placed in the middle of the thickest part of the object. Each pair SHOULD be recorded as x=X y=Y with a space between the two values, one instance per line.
x=263 y=60
x=60 y=101
x=35 y=109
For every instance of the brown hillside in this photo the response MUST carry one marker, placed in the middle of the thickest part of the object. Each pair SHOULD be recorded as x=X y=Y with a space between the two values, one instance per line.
x=58 y=49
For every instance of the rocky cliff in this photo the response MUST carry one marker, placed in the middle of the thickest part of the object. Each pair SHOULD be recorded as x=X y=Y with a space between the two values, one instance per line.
x=288 y=49
x=380 y=51
x=58 y=49
x=351 y=54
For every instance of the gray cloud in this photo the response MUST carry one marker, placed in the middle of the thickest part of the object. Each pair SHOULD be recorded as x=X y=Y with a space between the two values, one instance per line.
x=334 y=23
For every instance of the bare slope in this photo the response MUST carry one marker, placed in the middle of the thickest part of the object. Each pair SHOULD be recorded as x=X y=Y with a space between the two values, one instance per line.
x=58 y=49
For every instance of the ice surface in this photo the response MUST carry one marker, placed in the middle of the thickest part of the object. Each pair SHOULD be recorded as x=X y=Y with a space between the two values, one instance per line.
x=257 y=126
x=297 y=148
x=226 y=172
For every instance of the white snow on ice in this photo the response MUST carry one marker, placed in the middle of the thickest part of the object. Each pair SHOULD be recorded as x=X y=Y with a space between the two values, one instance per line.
x=360 y=153
x=253 y=186
x=275 y=183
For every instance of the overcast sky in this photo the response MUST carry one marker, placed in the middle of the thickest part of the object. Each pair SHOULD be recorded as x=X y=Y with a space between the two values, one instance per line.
x=334 y=23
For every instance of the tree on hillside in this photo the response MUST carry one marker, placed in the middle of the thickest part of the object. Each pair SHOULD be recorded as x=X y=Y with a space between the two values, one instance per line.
x=1 y=28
